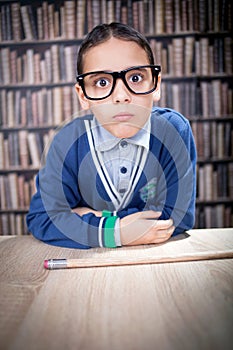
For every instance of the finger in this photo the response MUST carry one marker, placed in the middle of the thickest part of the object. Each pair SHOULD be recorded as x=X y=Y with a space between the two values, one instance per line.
x=163 y=236
x=150 y=214
x=165 y=233
x=163 y=224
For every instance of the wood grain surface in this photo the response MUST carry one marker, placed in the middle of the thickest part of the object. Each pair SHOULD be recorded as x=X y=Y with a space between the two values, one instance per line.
x=185 y=305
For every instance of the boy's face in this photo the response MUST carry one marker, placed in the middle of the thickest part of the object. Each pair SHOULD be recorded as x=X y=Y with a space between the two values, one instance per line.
x=123 y=113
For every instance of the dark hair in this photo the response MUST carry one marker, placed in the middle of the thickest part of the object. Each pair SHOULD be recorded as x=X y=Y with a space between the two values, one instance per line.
x=103 y=32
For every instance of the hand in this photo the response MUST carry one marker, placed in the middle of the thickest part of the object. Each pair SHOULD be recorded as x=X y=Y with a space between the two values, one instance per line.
x=84 y=210
x=144 y=228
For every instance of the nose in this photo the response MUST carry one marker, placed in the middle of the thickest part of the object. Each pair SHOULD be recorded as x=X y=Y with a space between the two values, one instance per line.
x=120 y=93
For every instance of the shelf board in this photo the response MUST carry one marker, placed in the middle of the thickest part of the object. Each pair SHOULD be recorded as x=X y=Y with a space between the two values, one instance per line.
x=34 y=128
x=196 y=77
x=35 y=42
x=36 y=86
x=211 y=118
x=14 y=211
x=18 y=169
x=77 y=41
x=227 y=201
x=215 y=160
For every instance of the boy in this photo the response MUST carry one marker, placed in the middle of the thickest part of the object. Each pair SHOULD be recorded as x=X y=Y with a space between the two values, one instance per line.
x=124 y=174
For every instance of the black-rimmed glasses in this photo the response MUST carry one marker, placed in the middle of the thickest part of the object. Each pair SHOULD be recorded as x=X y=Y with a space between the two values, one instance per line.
x=140 y=80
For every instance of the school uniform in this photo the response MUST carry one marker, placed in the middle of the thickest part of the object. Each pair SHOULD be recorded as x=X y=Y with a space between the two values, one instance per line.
x=86 y=166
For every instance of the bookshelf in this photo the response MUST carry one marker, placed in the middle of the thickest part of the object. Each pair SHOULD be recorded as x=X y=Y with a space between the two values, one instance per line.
x=39 y=40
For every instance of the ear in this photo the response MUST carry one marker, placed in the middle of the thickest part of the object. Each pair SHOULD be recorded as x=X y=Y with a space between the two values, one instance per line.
x=157 y=92
x=85 y=104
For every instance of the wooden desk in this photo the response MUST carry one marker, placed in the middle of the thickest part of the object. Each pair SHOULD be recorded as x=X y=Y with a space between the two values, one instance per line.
x=179 y=305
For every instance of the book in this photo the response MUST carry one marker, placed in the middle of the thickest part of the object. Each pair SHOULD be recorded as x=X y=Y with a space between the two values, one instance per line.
x=159 y=17
x=168 y=13
x=2 y=158
x=184 y=16
x=51 y=21
x=33 y=150
x=96 y=15
x=13 y=186
x=40 y=27
x=178 y=56
x=70 y=64
x=81 y=15
x=110 y=11
x=177 y=16
x=70 y=25
x=188 y=55
x=30 y=66
x=16 y=21
x=27 y=25
x=3 y=200
x=45 y=17
x=23 y=148
x=6 y=72
x=55 y=63
x=57 y=105
x=204 y=56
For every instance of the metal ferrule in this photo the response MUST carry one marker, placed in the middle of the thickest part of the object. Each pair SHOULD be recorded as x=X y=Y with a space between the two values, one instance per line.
x=57 y=264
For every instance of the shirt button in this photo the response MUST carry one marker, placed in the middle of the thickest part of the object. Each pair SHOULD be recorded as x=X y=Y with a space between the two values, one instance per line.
x=123 y=170
x=124 y=144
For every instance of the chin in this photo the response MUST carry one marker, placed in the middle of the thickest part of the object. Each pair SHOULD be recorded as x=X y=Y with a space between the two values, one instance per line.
x=123 y=131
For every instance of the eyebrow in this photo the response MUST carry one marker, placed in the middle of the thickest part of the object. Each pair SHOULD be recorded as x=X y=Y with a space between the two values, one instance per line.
x=116 y=71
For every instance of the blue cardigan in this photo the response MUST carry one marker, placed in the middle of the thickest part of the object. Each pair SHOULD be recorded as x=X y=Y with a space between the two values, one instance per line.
x=73 y=175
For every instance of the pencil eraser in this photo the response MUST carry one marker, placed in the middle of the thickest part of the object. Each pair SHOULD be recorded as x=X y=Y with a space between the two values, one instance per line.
x=46 y=265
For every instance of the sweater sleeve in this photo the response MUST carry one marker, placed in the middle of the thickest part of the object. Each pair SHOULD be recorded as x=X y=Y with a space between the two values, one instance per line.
x=50 y=218
x=181 y=182
x=176 y=188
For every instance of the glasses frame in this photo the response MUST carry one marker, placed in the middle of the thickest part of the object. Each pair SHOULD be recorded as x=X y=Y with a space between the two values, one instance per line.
x=120 y=75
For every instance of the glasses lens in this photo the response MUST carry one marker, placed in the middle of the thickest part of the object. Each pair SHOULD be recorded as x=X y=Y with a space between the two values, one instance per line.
x=140 y=80
x=98 y=85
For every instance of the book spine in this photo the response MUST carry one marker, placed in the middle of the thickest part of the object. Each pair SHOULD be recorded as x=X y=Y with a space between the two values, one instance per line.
x=27 y=26
x=70 y=24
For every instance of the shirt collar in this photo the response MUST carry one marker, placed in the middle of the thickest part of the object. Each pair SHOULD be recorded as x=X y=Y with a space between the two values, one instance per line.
x=105 y=141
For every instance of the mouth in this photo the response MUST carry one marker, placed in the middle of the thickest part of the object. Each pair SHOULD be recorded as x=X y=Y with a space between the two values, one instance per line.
x=123 y=117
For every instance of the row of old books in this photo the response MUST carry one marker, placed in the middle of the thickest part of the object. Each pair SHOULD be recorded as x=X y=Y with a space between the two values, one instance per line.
x=37 y=107
x=214 y=216
x=213 y=140
x=23 y=149
x=185 y=56
x=214 y=181
x=179 y=57
x=16 y=191
x=73 y=18
x=13 y=224
x=52 y=65
x=206 y=98
x=33 y=107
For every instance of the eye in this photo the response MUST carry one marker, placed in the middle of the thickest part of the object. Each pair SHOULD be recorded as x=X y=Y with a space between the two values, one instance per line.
x=102 y=82
x=136 y=78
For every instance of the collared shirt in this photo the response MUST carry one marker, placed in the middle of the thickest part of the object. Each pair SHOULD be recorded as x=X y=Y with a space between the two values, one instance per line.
x=119 y=155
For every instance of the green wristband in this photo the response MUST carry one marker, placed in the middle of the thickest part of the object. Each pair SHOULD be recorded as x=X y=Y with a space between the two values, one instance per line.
x=106 y=213
x=109 y=240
